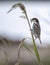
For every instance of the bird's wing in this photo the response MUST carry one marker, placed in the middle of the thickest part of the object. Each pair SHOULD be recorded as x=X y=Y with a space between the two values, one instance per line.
x=36 y=28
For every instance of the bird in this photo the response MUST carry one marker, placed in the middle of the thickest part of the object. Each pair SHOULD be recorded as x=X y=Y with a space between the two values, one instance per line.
x=36 y=29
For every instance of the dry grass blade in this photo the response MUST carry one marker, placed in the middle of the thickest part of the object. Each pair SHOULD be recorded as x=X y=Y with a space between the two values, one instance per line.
x=27 y=48
x=26 y=45
x=6 y=55
x=23 y=17
x=9 y=10
x=21 y=6
x=17 y=5
x=3 y=41
x=20 y=45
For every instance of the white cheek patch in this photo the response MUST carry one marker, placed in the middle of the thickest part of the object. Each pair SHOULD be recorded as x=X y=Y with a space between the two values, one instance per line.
x=35 y=22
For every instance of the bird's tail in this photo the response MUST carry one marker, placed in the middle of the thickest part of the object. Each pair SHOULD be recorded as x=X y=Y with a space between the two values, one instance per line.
x=40 y=41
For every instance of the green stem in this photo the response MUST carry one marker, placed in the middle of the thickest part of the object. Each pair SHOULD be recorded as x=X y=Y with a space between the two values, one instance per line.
x=34 y=45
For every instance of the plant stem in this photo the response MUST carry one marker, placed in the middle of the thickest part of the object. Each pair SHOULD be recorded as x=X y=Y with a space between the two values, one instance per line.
x=34 y=45
x=4 y=42
x=20 y=45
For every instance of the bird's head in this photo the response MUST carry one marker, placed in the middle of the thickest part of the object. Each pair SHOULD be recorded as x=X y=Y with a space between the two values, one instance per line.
x=35 y=20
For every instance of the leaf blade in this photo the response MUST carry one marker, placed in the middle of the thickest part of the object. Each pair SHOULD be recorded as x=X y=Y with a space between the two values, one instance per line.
x=27 y=48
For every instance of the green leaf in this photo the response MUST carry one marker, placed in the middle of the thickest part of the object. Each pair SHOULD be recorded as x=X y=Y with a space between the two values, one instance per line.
x=36 y=51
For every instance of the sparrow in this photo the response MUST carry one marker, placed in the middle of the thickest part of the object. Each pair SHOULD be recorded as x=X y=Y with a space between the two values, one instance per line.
x=36 y=30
